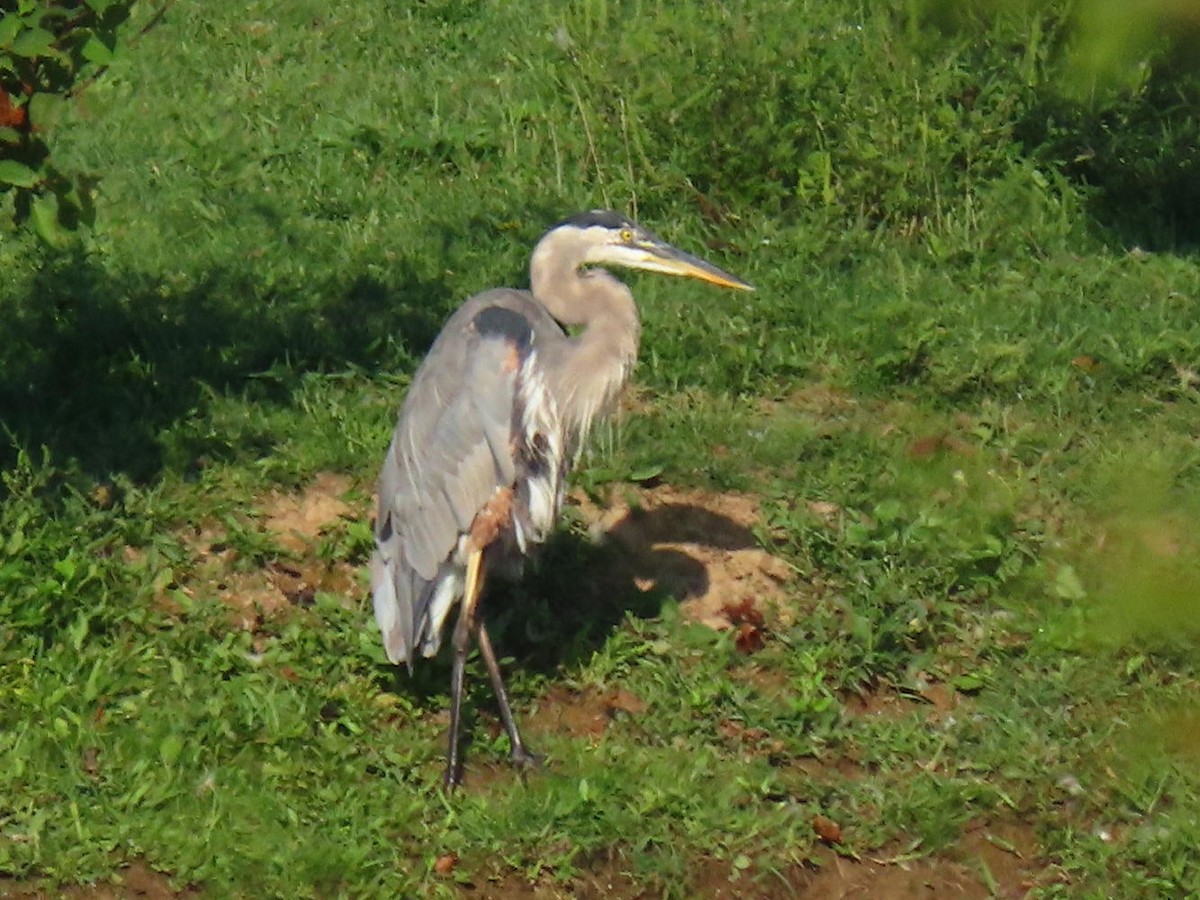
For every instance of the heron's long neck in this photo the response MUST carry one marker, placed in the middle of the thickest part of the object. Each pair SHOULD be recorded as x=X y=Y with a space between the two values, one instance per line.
x=603 y=359
x=597 y=362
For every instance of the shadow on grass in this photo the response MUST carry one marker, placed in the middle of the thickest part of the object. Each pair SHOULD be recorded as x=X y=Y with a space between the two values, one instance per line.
x=1133 y=153
x=94 y=368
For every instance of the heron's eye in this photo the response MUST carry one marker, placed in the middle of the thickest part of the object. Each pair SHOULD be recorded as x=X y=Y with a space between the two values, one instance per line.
x=626 y=236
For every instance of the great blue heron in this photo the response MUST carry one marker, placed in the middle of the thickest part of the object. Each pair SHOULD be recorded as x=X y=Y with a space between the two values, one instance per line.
x=493 y=421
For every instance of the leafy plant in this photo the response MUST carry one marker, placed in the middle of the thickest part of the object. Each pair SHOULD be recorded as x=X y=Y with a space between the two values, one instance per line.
x=47 y=49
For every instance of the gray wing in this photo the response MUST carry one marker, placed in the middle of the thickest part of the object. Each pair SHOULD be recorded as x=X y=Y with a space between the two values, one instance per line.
x=463 y=434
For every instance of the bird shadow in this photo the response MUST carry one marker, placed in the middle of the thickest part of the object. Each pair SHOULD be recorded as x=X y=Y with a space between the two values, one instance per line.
x=579 y=591
x=583 y=588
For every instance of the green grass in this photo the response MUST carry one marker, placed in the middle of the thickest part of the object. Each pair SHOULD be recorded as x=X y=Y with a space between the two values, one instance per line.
x=964 y=395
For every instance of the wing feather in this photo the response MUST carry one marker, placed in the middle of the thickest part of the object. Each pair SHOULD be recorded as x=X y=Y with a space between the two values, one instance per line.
x=474 y=479
x=457 y=442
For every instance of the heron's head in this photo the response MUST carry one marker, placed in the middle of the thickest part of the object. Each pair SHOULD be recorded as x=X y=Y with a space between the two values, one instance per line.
x=607 y=238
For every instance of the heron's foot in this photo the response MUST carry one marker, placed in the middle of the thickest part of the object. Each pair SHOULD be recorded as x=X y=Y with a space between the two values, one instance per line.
x=453 y=777
x=526 y=759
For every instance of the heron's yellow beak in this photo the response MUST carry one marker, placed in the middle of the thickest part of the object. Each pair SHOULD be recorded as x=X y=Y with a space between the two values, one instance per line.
x=673 y=261
x=649 y=253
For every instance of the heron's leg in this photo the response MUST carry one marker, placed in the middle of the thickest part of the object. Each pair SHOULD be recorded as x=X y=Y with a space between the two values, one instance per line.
x=461 y=644
x=520 y=753
x=461 y=641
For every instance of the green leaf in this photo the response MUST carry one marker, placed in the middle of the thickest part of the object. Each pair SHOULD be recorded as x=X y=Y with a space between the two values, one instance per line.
x=44 y=212
x=888 y=510
x=646 y=473
x=78 y=631
x=9 y=135
x=967 y=683
x=170 y=748
x=15 y=542
x=66 y=568
x=96 y=51
x=10 y=26
x=1067 y=585
x=17 y=174
x=857 y=534
x=33 y=42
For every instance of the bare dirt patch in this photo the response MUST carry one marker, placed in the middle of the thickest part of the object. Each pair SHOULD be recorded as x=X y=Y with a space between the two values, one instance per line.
x=937 y=700
x=266 y=593
x=602 y=882
x=993 y=859
x=831 y=769
x=770 y=681
x=878 y=705
x=582 y=713
x=820 y=400
x=600 y=874
x=134 y=882
x=697 y=546
x=297 y=520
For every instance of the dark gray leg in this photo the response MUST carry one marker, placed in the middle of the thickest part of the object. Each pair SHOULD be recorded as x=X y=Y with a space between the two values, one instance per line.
x=461 y=643
x=520 y=754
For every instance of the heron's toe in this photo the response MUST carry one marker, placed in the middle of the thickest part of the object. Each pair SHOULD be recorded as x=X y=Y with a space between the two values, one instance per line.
x=527 y=759
x=452 y=779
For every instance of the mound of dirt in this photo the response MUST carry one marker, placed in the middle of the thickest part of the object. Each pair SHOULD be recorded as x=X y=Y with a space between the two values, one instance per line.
x=697 y=545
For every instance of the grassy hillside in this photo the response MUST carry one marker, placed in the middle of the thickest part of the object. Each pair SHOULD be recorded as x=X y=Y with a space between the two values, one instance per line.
x=935 y=480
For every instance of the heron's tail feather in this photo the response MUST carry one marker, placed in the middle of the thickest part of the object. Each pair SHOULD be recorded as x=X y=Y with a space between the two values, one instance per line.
x=394 y=617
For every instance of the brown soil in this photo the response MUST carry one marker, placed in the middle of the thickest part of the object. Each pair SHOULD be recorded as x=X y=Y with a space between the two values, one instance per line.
x=698 y=546
x=135 y=882
x=1003 y=853
x=937 y=700
x=296 y=522
x=819 y=400
x=582 y=713
x=993 y=859
x=592 y=885
x=601 y=874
